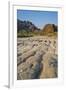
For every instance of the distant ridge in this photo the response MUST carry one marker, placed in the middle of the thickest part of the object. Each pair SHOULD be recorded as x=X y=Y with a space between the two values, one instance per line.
x=26 y=25
x=28 y=29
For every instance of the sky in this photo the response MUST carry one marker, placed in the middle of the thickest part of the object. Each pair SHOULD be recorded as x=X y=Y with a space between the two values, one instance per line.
x=38 y=18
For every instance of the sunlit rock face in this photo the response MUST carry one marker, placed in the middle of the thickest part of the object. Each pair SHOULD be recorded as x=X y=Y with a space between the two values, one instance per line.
x=49 y=28
x=37 y=57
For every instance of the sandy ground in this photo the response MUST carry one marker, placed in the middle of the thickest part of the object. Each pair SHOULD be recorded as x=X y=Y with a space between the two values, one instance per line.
x=37 y=57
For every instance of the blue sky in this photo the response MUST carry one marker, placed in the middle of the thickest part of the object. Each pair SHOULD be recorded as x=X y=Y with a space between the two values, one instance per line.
x=39 y=18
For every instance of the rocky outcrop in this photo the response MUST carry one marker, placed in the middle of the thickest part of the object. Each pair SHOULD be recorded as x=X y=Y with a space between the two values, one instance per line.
x=50 y=28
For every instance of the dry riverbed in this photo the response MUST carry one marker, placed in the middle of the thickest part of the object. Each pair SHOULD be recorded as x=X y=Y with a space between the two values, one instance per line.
x=37 y=57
